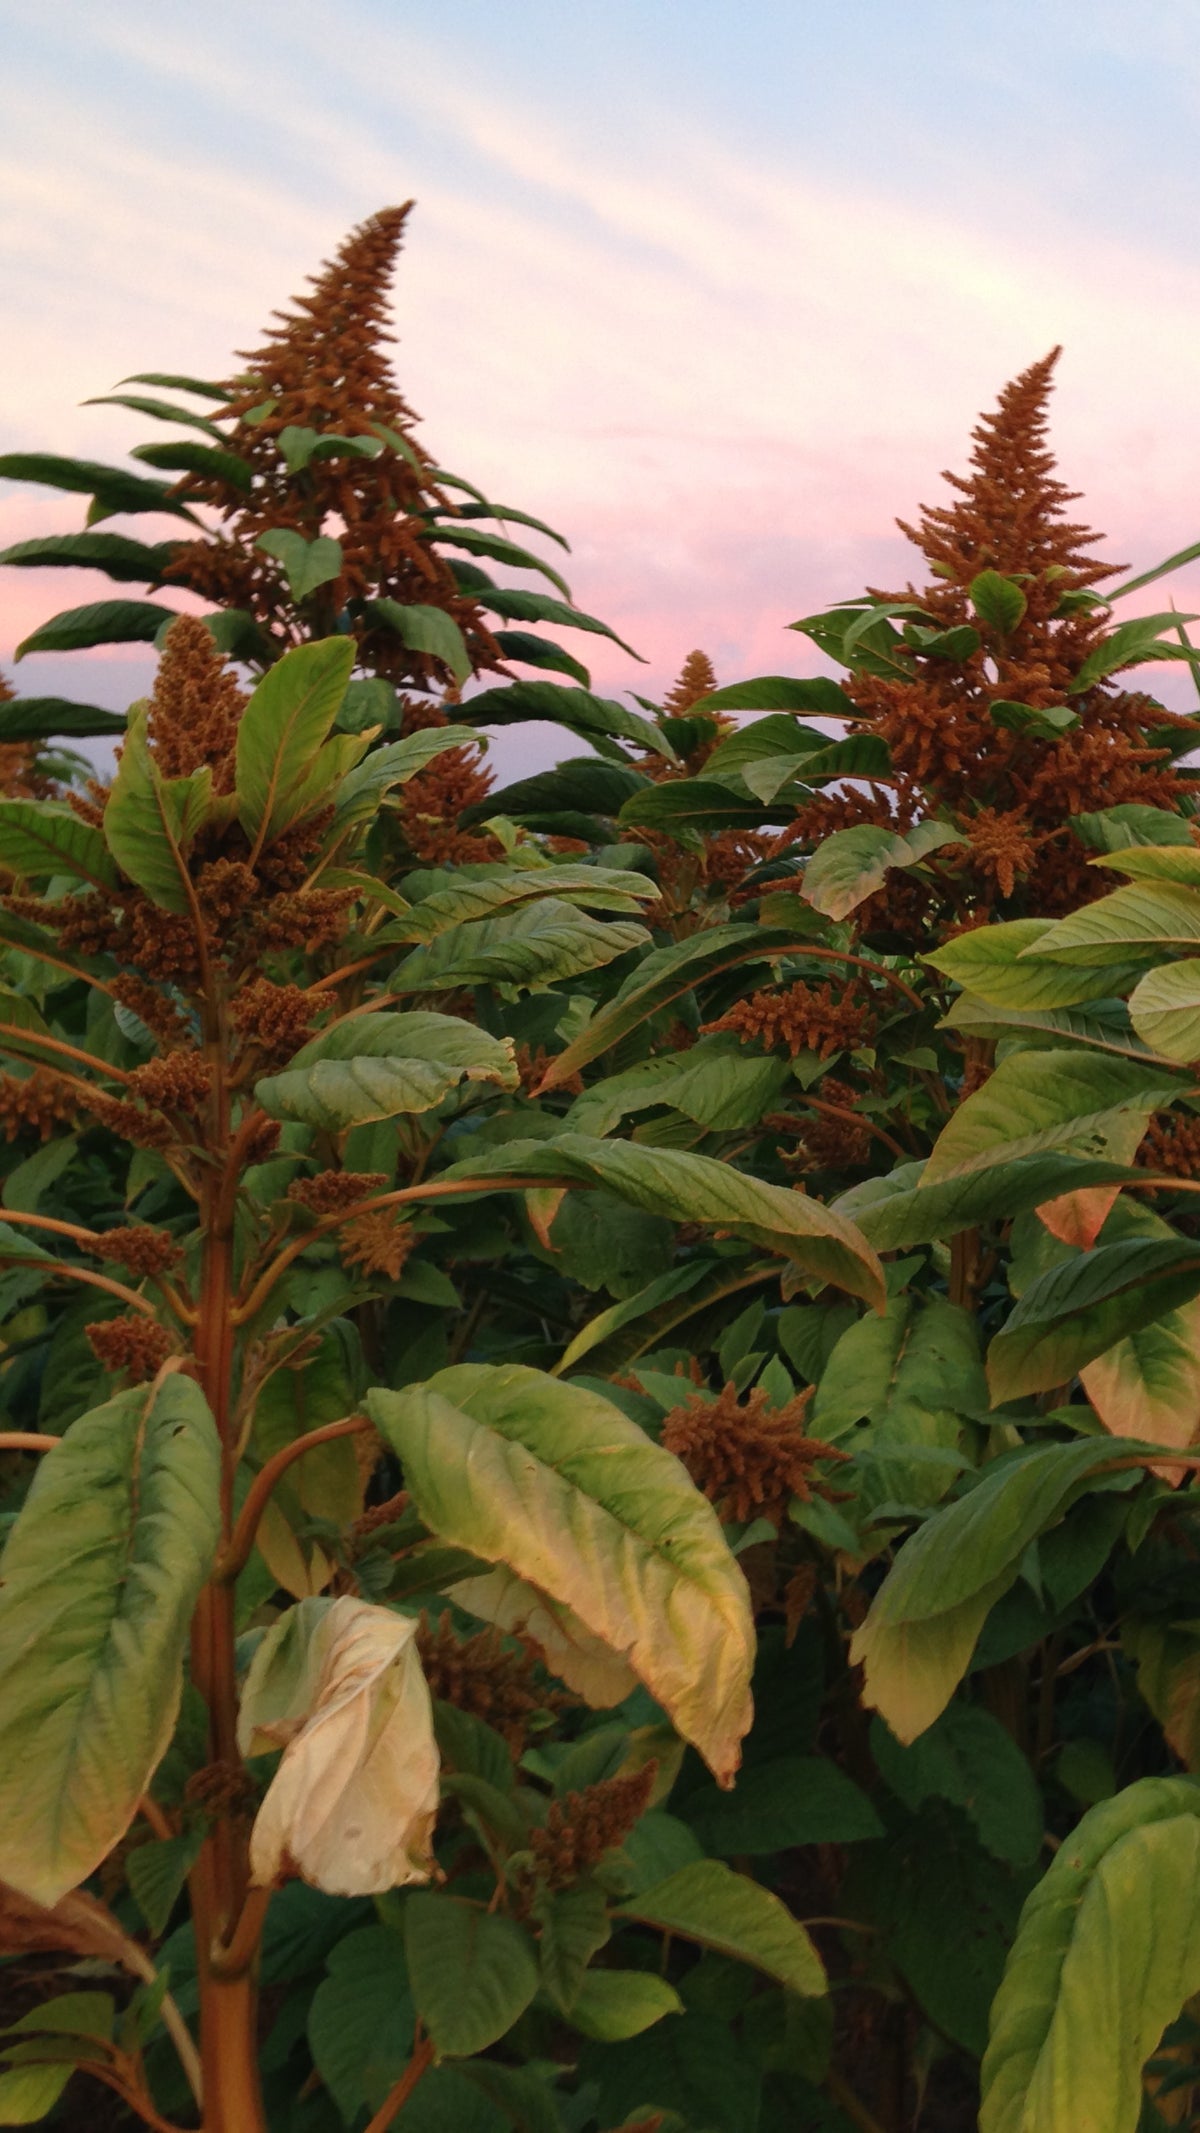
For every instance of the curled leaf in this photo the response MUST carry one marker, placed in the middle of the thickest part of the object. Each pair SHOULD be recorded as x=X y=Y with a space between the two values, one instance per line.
x=338 y=1684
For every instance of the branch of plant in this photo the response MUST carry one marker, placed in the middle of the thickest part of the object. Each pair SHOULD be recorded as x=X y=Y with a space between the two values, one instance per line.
x=854 y=1118
x=435 y=1190
x=394 y=2102
x=232 y=1958
x=232 y=1559
x=24 y=1037
x=26 y=1440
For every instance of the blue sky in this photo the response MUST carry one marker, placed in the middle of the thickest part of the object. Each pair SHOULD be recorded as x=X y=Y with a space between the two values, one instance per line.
x=718 y=288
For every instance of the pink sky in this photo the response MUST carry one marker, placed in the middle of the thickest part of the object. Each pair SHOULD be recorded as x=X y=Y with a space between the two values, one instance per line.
x=721 y=354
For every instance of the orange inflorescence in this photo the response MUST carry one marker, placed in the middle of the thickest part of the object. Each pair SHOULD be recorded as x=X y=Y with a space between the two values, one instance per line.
x=832 y=1142
x=36 y=1104
x=1172 y=1144
x=378 y=1242
x=582 y=1828
x=748 y=1458
x=1002 y=846
x=333 y=1190
x=276 y=1019
x=138 y=1247
x=181 y=1081
x=804 y=1018
x=486 y=1676
x=324 y=368
x=432 y=802
x=161 y=1016
x=131 y=1343
x=1008 y=788
x=195 y=708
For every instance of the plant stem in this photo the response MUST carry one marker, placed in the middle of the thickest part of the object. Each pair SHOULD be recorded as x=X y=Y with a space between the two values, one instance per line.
x=235 y=1555
x=26 y=1440
x=846 y=2100
x=394 y=2102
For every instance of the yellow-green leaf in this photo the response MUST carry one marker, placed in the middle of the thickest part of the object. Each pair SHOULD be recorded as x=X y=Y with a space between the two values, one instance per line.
x=557 y=1484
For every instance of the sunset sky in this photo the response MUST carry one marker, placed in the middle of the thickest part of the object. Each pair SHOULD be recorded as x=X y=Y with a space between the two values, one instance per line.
x=716 y=288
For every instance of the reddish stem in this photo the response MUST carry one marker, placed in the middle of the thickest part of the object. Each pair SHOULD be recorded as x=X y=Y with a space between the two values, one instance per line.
x=235 y=1555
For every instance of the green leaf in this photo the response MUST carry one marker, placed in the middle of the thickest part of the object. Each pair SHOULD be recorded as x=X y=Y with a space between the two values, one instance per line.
x=724 y=1091
x=1103 y=1026
x=707 y=1902
x=114 y=553
x=911 y=1374
x=851 y=865
x=531 y=651
x=514 y=606
x=1116 y=829
x=1076 y=1311
x=151 y=822
x=504 y=514
x=378 y=1066
x=969 y=1759
x=91 y=1665
x=1045 y=721
x=578 y=709
x=557 y=1485
x=281 y=731
x=537 y=945
x=182 y=456
x=363 y=787
x=1038 y=1100
x=477 y=542
x=1106 y=1955
x=990 y=962
x=307 y=564
x=668 y=975
x=695 y=1188
x=796 y=1799
x=946 y=1912
x=428 y=630
x=575 y=1927
x=29 y=2093
x=779 y=692
x=598 y=888
x=301 y=446
x=74 y=2014
x=473 y=1974
x=43 y=718
x=157 y=410
x=39 y=837
x=360 y=2023
x=1155 y=862
x=1138 y=918
x=898 y=1211
x=207 y=388
x=613 y=2004
x=120 y=490
x=1132 y=644
x=156 y=1874
x=917 y=1640
x=1165 y=1009
x=696 y=807
x=998 y=601
x=104 y=622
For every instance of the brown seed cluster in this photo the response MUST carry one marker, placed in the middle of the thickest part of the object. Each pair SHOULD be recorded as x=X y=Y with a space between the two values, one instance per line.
x=275 y=1019
x=194 y=712
x=378 y=1242
x=1172 y=1144
x=35 y=1103
x=804 y=1018
x=432 y=802
x=324 y=367
x=334 y=1190
x=131 y=1343
x=750 y=1459
x=141 y=1249
x=580 y=1829
x=487 y=1677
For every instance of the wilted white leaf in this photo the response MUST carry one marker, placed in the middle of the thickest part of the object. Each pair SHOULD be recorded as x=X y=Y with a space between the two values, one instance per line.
x=338 y=1685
